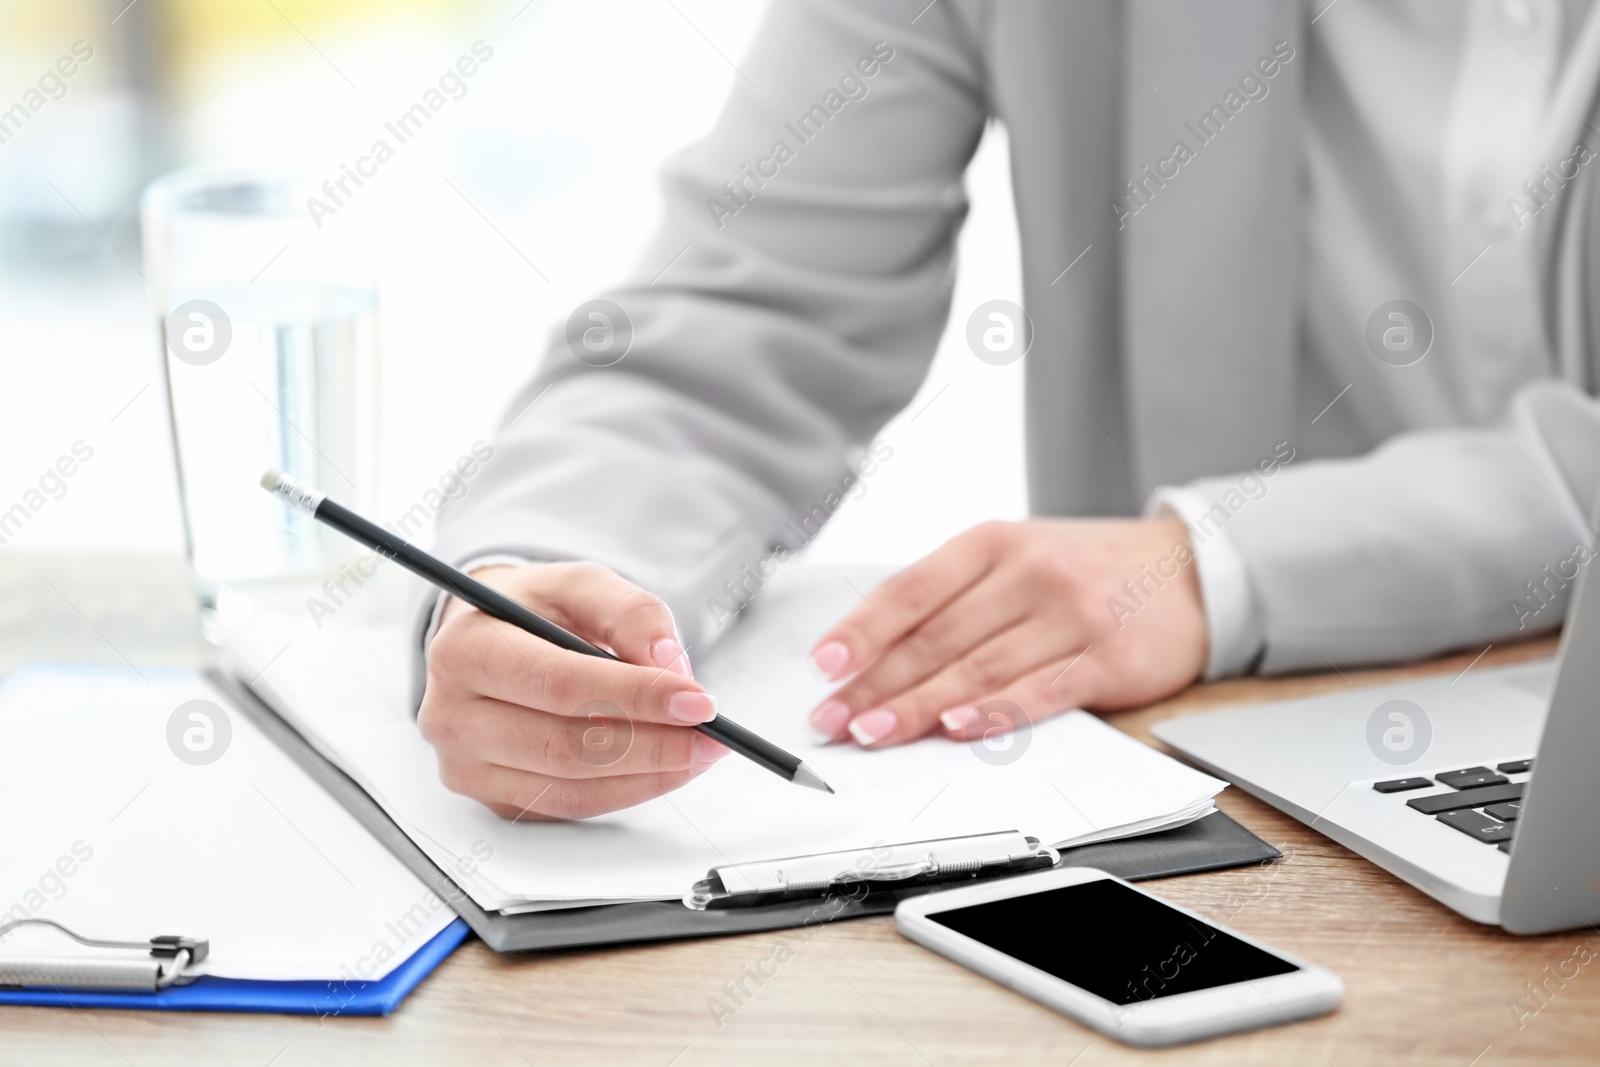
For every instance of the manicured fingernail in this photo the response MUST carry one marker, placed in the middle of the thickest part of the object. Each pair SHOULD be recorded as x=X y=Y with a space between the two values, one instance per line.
x=873 y=726
x=705 y=750
x=829 y=719
x=956 y=719
x=669 y=655
x=832 y=659
x=692 y=707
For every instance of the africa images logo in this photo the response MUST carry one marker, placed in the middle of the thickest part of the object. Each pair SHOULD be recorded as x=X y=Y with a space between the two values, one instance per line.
x=1399 y=732
x=198 y=332
x=198 y=732
x=1399 y=333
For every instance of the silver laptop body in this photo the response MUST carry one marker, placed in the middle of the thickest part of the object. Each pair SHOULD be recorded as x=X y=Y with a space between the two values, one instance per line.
x=1526 y=858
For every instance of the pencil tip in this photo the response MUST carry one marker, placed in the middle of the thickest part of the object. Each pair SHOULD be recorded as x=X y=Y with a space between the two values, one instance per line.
x=809 y=778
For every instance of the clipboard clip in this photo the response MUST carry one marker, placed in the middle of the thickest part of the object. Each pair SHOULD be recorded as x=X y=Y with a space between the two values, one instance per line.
x=166 y=961
x=911 y=865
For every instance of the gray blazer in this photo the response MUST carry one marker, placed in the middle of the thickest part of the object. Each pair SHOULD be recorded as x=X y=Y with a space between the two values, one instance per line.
x=807 y=289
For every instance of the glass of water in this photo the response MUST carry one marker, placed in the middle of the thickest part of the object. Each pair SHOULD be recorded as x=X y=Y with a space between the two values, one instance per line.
x=269 y=331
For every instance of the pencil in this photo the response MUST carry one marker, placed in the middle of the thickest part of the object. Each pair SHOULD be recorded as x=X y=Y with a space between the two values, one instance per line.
x=751 y=746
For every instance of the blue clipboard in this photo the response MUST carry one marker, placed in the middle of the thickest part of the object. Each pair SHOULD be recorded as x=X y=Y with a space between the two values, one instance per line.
x=284 y=998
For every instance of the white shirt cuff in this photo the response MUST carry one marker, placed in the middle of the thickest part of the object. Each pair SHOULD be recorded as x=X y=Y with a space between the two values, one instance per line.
x=1231 y=613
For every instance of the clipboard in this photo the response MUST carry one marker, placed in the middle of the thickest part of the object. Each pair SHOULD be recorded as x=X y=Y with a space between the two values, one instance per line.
x=1211 y=843
x=107 y=964
x=111 y=986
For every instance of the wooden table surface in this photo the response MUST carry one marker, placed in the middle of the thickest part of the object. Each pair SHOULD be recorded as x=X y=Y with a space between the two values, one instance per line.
x=1424 y=985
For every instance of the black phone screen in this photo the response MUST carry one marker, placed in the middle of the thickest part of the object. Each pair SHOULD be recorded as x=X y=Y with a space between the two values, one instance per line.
x=1113 y=941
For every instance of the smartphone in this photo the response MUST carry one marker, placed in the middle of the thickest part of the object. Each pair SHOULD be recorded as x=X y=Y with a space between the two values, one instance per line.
x=1115 y=958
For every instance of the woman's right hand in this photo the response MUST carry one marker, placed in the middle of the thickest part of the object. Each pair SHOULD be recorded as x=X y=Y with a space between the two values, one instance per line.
x=533 y=731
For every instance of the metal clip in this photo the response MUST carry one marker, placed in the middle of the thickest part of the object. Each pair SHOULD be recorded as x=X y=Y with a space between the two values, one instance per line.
x=169 y=956
x=920 y=862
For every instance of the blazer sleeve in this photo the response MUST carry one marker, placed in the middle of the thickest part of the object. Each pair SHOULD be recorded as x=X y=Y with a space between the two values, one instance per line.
x=1436 y=540
x=788 y=306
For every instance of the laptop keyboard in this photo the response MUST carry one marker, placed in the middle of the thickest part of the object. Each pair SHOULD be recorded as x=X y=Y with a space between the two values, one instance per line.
x=1482 y=803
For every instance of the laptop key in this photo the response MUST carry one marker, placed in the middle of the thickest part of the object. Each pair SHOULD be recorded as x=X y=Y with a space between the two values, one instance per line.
x=1400 y=785
x=1507 y=812
x=1470 y=778
x=1516 y=766
x=1505 y=846
x=1476 y=824
x=1472 y=798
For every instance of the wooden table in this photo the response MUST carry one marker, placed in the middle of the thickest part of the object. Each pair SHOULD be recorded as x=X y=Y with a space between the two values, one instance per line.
x=1424 y=985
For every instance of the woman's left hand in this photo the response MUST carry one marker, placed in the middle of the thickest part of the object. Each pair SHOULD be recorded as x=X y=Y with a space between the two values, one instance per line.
x=1045 y=614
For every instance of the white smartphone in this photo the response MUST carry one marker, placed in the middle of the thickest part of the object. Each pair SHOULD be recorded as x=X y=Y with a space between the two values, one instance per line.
x=1115 y=958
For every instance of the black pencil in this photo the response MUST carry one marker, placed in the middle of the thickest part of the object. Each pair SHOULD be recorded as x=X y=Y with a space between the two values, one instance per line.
x=457 y=583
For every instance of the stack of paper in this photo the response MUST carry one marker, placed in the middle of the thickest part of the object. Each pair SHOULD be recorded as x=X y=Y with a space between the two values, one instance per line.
x=1068 y=780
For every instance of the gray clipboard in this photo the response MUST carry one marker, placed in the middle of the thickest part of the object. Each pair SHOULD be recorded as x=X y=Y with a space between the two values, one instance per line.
x=1211 y=843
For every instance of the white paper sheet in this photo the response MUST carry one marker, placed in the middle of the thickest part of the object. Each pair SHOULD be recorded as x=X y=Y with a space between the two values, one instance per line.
x=110 y=833
x=344 y=683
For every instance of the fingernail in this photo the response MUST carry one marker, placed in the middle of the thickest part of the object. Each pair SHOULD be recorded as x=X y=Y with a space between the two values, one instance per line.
x=873 y=726
x=829 y=719
x=831 y=659
x=706 y=750
x=692 y=707
x=669 y=655
x=956 y=719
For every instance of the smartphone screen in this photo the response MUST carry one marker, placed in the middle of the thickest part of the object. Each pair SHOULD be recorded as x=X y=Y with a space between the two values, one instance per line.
x=1113 y=941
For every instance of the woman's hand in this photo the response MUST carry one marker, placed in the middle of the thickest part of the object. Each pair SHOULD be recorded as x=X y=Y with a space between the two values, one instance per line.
x=1046 y=614
x=533 y=731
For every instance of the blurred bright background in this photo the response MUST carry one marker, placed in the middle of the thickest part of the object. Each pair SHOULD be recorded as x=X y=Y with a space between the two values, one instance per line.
x=547 y=165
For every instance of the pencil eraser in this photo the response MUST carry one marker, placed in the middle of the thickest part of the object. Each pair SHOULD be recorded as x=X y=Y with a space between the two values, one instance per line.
x=270 y=480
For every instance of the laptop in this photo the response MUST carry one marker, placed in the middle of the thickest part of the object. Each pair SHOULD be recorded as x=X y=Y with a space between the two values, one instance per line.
x=1482 y=790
